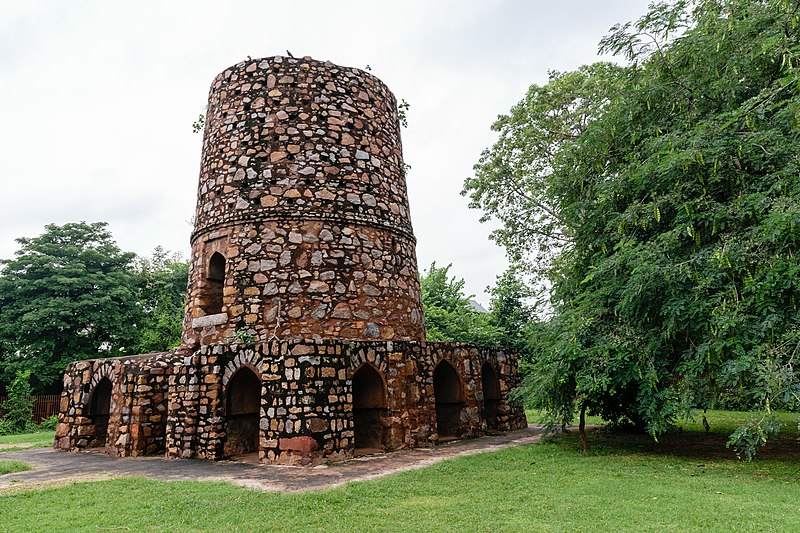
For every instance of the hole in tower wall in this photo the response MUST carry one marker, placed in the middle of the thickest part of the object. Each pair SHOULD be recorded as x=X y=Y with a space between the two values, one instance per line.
x=211 y=301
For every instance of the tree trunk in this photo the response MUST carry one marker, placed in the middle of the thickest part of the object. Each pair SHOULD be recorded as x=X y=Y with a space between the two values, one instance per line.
x=582 y=430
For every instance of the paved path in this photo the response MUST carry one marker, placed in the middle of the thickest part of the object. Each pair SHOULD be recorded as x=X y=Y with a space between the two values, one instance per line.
x=55 y=467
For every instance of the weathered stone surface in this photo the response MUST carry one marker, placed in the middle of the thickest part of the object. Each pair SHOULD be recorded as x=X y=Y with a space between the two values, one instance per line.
x=190 y=397
x=209 y=320
x=314 y=185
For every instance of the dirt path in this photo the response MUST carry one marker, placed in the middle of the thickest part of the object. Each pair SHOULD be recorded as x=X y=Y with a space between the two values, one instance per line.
x=53 y=467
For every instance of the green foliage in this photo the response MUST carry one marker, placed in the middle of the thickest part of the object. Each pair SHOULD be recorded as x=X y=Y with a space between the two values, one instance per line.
x=752 y=435
x=666 y=193
x=49 y=423
x=161 y=282
x=516 y=181
x=18 y=408
x=68 y=294
x=200 y=124
x=402 y=112
x=71 y=294
x=512 y=313
x=241 y=336
x=449 y=316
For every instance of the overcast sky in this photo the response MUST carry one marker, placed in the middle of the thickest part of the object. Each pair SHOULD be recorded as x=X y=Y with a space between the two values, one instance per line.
x=97 y=101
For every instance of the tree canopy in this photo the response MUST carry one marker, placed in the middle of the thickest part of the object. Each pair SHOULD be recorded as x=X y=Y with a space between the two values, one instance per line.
x=659 y=202
x=451 y=316
x=161 y=283
x=71 y=293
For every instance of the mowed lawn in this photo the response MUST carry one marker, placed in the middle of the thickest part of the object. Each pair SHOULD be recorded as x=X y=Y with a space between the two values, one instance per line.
x=688 y=481
x=8 y=467
x=39 y=439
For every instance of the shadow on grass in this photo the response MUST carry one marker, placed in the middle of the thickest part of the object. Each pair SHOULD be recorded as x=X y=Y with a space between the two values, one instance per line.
x=681 y=445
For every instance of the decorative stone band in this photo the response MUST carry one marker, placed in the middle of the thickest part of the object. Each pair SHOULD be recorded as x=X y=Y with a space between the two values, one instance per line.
x=366 y=220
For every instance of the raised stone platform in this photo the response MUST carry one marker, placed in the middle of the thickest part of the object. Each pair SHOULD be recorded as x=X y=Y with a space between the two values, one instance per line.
x=307 y=402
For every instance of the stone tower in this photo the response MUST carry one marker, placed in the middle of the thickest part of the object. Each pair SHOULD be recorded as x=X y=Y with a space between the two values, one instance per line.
x=303 y=338
x=302 y=227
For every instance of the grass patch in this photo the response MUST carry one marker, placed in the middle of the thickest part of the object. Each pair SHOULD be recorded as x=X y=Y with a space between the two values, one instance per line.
x=8 y=467
x=23 y=441
x=686 y=482
x=719 y=421
x=727 y=421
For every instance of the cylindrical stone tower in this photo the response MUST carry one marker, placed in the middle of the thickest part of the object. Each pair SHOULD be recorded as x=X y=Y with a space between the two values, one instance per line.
x=302 y=226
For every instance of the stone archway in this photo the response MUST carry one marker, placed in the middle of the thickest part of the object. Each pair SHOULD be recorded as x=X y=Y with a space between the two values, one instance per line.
x=449 y=393
x=491 y=395
x=242 y=412
x=100 y=412
x=369 y=408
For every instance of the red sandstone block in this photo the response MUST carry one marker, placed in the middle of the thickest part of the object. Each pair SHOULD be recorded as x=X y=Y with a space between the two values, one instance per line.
x=298 y=444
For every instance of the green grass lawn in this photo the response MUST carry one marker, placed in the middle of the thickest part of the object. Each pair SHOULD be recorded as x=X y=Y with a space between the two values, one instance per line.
x=39 y=439
x=8 y=467
x=727 y=421
x=720 y=421
x=687 y=481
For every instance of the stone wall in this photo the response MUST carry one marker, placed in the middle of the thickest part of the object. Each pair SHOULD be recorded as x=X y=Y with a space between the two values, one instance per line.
x=302 y=191
x=176 y=402
x=137 y=410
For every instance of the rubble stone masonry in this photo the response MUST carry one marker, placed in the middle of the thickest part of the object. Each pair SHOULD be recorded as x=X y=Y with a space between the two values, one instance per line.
x=302 y=192
x=303 y=339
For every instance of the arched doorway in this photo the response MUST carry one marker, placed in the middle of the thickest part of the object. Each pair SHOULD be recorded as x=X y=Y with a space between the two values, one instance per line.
x=215 y=280
x=100 y=411
x=449 y=395
x=369 y=408
x=242 y=408
x=491 y=394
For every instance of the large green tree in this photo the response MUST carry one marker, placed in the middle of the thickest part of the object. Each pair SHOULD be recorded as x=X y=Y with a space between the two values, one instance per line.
x=449 y=315
x=67 y=294
x=676 y=202
x=161 y=283
x=513 y=311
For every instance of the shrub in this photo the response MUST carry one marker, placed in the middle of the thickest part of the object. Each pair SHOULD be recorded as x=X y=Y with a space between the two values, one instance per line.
x=18 y=408
x=49 y=423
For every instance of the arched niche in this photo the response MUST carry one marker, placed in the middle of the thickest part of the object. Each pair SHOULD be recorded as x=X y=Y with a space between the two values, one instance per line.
x=242 y=409
x=449 y=393
x=214 y=283
x=100 y=411
x=369 y=408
